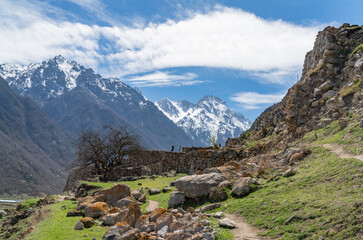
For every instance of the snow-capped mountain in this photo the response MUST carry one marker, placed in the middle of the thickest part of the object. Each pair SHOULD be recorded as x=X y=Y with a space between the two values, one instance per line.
x=209 y=117
x=79 y=99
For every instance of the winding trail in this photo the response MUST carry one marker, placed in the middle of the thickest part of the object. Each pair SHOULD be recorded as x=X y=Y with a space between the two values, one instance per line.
x=339 y=151
x=152 y=205
x=243 y=230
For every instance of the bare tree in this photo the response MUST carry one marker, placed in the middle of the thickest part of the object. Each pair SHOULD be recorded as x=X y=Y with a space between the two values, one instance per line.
x=106 y=148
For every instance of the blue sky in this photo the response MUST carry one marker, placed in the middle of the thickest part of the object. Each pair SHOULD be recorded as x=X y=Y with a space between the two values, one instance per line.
x=246 y=52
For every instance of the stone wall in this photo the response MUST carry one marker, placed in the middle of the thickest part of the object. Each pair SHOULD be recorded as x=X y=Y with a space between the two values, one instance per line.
x=148 y=163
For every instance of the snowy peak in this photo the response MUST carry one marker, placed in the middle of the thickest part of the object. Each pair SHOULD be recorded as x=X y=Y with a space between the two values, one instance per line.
x=209 y=117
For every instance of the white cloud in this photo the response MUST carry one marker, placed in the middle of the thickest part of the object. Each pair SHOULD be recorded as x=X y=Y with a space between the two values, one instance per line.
x=254 y=100
x=222 y=37
x=163 y=79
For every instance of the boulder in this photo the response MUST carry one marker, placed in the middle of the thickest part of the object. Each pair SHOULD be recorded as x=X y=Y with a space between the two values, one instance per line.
x=132 y=234
x=218 y=194
x=198 y=186
x=133 y=213
x=115 y=232
x=124 y=202
x=115 y=193
x=176 y=199
x=226 y=222
x=164 y=220
x=210 y=207
x=96 y=210
x=112 y=218
x=153 y=191
x=243 y=186
x=79 y=226
x=87 y=222
x=156 y=213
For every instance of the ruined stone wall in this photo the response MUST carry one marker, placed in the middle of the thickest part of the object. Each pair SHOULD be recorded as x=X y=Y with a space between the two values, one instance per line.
x=148 y=163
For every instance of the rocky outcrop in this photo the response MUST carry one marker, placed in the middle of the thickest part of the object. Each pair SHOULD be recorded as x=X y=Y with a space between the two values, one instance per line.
x=330 y=87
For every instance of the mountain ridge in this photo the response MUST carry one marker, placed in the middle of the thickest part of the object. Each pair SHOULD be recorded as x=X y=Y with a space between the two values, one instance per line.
x=209 y=117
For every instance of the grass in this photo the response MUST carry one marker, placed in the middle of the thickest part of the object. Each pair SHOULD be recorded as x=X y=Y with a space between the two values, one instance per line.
x=57 y=226
x=358 y=48
x=350 y=138
x=353 y=88
x=323 y=195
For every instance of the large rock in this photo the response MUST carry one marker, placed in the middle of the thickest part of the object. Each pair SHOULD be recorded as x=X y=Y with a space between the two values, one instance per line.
x=115 y=193
x=210 y=207
x=133 y=213
x=218 y=194
x=125 y=202
x=95 y=210
x=198 y=186
x=115 y=232
x=164 y=220
x=176 y=199
x=153 y=191
x=113 y=218
x=87 y=222
x=226 y=222
x=156 y=213
x=132 y=234
x=243 y=186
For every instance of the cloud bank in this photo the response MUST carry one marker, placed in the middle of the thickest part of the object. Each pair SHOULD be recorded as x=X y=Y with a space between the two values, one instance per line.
x=254 y=100
x=221 y=38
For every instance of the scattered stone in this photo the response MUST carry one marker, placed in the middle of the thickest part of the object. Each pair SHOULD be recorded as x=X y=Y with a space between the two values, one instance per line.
x=166 y=189
x=226 y=222
x=73 y=213
x=79 y=226
x=132 y=234
x=87 y=222
x=290 y=172
x=154 y=191
x=190 y=209
x=208 y=236
x=176 y=199
x=164 y=220
x=162 y=232
x=154 y=215
x=136 y=194
x=198 y=186
x=218 y=215
x=115 y=232
x=243 y=186
x=210 y=207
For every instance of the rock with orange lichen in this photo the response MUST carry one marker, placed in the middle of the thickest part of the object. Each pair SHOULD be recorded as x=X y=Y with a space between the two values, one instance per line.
x=133 y=213
x=164 y=220
x=141 y=221
x=87 y=222
x=156 y=213
x=115 y=193
x=112 y=218
x=96 y=210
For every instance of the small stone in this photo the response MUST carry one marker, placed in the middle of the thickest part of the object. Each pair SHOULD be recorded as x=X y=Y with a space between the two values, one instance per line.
x=153 y=191
x=210 y=207
x=166 y=189
x=79 y=226
x=190 y=209
x=226 y=222
x=218 y=215
x=289 y=172
x=208 y=236
x=87 y=222
x=162 y=232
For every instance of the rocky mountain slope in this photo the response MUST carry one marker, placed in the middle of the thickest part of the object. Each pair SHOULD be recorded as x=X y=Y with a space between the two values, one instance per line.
x=209 y=117
x=330 y=89
x=34 y=150
x=78 y=99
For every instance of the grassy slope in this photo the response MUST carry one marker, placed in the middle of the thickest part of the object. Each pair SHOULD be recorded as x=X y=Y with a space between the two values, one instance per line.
x=57 y=226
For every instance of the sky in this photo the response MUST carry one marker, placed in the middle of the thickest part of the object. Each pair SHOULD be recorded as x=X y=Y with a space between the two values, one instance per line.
x=248 y=53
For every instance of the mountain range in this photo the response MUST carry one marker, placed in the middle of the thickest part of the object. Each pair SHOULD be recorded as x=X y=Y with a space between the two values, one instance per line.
x=79 y=99
x=209 y=117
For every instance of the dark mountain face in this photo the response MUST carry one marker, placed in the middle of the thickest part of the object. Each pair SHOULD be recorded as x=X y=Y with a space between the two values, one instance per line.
x=34 y=150
x=79 y=99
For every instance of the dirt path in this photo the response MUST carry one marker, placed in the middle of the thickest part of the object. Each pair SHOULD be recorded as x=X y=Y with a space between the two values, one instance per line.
x=243 y=230
x=341 y=153
x=152 y=205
